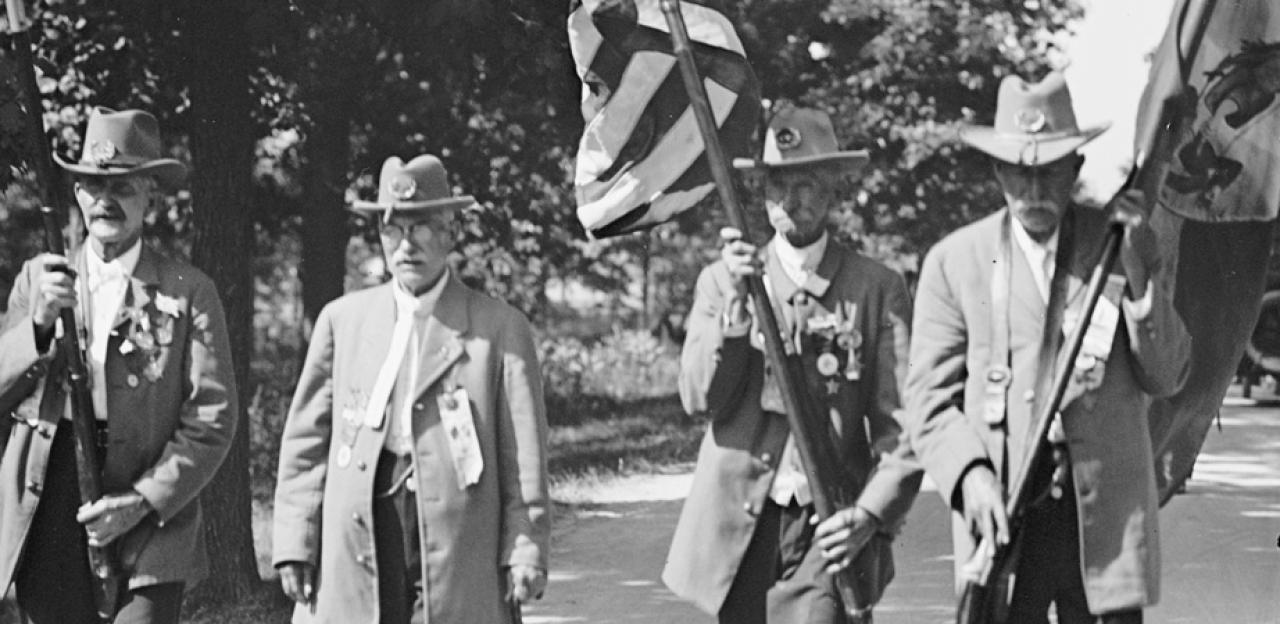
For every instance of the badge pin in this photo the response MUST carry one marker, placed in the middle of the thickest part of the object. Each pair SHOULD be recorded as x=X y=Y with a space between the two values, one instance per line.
x=344 y=456
x=1030 y=120
x=787 y=138
x=404 y=187
x=102 y=152
x=828 y=364
x=132 y=380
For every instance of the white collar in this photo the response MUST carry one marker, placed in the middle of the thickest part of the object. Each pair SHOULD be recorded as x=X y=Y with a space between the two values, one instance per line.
x=421 y=305
x=1030 y=246
x=799 y=261
x=121 y=266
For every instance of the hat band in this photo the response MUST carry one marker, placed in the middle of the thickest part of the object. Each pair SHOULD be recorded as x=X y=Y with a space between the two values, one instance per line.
x=1040 y=136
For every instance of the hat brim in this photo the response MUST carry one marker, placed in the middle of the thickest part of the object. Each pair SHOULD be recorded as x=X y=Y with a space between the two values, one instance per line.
x=169 y=172
x=460 y=201
x=1028 y=149
x=855 y=160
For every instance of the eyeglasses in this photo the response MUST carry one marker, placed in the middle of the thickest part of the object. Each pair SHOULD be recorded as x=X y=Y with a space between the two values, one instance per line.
x=419 y=233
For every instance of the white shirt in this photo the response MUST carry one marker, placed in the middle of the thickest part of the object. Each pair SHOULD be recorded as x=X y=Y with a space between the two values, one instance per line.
x=798 y=263
x=400 y=427
x=106 y=283
x=1041 y=257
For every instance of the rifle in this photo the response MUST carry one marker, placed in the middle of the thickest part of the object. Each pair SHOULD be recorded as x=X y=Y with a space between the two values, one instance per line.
x=986 y=594
x=102 y=561
x=809 y=428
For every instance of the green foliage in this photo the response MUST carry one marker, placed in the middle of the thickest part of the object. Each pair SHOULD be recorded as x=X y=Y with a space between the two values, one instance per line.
x=583 y=378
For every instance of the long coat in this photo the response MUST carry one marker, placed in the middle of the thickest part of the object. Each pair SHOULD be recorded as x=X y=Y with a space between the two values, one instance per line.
x=170 y=420
x=1106 y=427
x=724 y=377
x=324 y=499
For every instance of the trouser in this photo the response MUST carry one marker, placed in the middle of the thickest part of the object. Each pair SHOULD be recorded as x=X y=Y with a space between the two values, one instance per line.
x=1049 y=569
x=780 y=579
x=395 y=522
x=53 y=582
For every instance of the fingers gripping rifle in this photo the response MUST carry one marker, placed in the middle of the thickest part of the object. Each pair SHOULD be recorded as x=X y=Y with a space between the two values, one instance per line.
x=809 y=426
x=986 y=595
x=102 y=561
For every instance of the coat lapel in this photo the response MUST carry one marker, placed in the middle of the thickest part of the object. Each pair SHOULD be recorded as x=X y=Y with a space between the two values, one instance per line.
x=376 y=336
x=442 y=341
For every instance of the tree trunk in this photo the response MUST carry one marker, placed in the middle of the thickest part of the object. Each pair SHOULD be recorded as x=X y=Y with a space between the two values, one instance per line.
x=324 y=220
x=222 y=146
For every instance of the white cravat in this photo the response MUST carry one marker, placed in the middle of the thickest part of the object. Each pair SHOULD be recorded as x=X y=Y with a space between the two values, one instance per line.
x=397 y=379
x=799 y=262
x=107 y=283
x=1042 y=257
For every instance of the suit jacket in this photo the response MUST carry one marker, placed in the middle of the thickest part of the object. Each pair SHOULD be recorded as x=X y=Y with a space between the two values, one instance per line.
x=1106 y=428
x=324 y=497
x=171 y=415
x=724 y=378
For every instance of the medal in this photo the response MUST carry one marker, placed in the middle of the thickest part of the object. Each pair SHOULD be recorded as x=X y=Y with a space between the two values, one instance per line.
x=828 y=364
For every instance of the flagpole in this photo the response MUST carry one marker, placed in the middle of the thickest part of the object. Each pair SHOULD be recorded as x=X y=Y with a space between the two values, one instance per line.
x=812 y=440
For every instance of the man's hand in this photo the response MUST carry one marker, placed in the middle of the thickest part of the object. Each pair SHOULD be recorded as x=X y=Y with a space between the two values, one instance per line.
x=525 y=583
x=297 y=579
x=740 y=257
x=843 y=535
x=1140 y=251
x=111 y=516
x=984 y=510
x=55 y=289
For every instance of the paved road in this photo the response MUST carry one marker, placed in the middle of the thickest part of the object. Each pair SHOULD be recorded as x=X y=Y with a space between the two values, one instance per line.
x=1221 y=561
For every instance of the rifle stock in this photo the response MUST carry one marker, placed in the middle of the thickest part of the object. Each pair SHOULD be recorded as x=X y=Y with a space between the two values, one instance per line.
x=808 y=425
x=102 y=561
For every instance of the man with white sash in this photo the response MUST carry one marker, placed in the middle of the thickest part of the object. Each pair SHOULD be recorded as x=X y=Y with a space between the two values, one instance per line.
x=412 y=482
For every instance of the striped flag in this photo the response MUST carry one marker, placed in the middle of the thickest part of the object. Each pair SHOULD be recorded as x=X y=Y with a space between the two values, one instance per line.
x=640 y=161
x=1216 y=206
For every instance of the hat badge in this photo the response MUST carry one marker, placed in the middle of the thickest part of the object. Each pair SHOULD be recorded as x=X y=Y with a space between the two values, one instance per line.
x=102 y=152
x=787 y=138
x=404 y=187
x=1030 y=120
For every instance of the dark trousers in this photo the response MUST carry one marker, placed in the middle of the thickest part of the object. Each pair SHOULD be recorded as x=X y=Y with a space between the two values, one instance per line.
x=780 y=579
x=53 y=583
x=1049 y=569
x=395 y=521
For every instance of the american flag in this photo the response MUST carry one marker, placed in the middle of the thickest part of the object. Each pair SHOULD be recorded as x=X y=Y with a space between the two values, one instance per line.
x=640 y=161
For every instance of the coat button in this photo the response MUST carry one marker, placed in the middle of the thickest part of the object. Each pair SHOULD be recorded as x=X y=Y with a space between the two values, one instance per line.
x=360 y=465
x=1029 y=396
x=747 y=506
x=132 y=380
x=355 y=517
x=765 y=457
x=419 y=406
x=34 y=487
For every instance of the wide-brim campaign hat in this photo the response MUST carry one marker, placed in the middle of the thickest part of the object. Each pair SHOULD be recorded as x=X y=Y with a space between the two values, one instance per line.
x=802 y=137
x=1035 y=123
x=120 y=143
x=420 y=184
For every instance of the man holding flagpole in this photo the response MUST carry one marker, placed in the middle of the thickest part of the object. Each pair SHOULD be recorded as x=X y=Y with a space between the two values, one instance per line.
x=744 y=547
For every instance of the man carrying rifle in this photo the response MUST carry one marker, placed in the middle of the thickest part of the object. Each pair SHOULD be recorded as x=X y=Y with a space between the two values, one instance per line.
x=163 y=396
x=994 y=302
x=743 y=548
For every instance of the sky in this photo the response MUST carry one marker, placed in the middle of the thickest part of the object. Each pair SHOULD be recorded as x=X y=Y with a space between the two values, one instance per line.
x=1106 y=72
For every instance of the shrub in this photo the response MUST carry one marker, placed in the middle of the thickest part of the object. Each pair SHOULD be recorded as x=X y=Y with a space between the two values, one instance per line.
x=583 y=378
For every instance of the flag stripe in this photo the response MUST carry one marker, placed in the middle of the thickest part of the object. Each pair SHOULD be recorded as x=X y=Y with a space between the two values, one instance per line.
x=641 y=157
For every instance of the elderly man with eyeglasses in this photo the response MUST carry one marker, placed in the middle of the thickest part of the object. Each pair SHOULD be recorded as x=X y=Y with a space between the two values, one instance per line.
x=412 y=482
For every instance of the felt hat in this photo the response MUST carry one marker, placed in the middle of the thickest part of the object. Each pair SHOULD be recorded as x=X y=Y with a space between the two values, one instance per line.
x=420 y=184
x=120 y=143
x=1034 y=125
x=800 y=137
